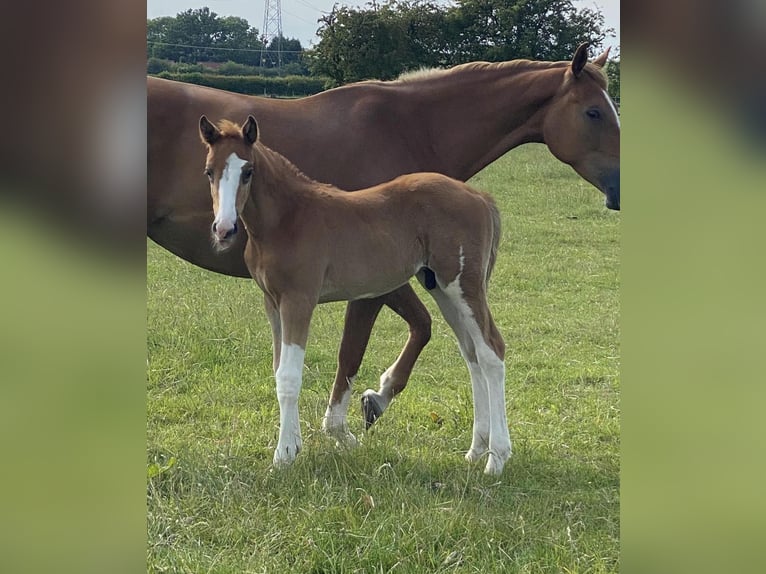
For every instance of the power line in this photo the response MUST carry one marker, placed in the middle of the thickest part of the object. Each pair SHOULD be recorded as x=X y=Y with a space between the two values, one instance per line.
x=218 y=47
x=310 y=5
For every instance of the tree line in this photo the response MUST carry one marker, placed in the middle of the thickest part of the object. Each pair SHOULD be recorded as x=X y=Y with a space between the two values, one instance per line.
x=199 y=35
x=383 y=39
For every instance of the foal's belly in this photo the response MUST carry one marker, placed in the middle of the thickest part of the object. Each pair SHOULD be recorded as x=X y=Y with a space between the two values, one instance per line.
x=365 y=285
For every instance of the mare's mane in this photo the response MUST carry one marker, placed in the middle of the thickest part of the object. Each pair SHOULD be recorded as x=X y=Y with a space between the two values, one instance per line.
x=425 y=74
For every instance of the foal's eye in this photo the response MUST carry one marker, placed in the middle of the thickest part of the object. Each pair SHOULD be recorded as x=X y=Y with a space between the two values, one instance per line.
x=593 y=113
x=209 y=173
x=247 y=173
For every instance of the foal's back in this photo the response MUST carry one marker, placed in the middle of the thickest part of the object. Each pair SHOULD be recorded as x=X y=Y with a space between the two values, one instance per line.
x=425 y=203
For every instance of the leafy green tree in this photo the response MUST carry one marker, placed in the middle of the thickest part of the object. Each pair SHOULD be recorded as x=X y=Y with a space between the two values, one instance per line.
x=200 y=35
x=360 y=44
x=496 y=30
x=381 y=41
x=613 y=73
x=290 y=48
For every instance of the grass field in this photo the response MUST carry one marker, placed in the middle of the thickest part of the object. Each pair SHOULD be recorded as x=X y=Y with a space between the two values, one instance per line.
x=405 y=500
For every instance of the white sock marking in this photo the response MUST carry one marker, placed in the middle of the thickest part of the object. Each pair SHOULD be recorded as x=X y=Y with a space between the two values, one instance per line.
x=334 y=421
x=488 y=383
x=289 y=379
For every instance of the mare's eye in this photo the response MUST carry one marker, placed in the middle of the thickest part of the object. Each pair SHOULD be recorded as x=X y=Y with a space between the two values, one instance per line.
x=593 y=114
x=247 y=173
x=209 y=173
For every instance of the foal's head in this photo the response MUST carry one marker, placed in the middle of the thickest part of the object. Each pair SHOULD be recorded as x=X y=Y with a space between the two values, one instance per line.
x=229 y=167
x=582 y=127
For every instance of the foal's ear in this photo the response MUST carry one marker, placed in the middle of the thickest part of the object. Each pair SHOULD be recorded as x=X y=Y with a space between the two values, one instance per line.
x=580 y=59
x=207 y=131
x=601 y=60
x=250 y=130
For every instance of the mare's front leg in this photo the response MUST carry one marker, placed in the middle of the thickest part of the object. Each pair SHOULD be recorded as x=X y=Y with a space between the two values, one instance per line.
x=295 y=317
x=409 y=307
x=360 y=316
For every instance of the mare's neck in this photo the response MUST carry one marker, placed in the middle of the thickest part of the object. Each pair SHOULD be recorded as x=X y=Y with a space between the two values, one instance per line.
x=501 y=106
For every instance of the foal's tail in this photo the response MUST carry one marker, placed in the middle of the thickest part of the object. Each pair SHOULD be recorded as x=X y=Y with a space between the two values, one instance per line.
x=494 y=213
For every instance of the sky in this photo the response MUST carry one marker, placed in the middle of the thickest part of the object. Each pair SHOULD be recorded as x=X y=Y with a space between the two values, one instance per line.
x=299 y=17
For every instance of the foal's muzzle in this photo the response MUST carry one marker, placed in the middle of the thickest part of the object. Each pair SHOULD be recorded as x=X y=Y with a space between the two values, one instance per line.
x=223 y=234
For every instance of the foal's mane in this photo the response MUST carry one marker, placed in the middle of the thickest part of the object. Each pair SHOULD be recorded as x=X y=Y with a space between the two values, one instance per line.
x=426 y=74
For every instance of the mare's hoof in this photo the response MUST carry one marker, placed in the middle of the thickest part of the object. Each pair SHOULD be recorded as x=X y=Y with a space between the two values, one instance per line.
x=371 y=409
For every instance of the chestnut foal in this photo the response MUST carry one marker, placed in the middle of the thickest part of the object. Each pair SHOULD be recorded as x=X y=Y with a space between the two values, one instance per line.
x=309 y=243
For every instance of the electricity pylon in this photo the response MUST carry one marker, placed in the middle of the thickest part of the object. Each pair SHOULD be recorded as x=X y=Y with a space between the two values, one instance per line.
x=272 y=28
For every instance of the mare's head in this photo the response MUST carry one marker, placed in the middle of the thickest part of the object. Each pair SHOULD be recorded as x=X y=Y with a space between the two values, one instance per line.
x=582 y=127
x=229 y=167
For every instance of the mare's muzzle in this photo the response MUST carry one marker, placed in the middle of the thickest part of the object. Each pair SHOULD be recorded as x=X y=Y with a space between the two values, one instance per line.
x=611 y=188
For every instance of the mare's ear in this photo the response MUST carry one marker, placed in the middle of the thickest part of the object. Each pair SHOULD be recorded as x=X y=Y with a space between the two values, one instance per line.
x=580 y=59
x=250 y=130
x=601 y=60
x=207 y=131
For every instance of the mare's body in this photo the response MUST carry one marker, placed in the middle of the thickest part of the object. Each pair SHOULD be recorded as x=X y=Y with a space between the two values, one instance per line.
x=454 y=122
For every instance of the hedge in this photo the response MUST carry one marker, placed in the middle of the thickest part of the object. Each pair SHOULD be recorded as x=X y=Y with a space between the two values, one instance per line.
x=254 y=85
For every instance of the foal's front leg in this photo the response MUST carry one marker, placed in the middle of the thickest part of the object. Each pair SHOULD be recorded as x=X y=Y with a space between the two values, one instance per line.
x=295 y=317
x=272 y=313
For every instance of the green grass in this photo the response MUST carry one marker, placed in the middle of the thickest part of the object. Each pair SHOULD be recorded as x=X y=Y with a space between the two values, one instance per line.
x=405 y=500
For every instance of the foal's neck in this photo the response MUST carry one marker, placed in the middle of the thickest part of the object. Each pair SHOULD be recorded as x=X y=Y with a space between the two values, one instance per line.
x=278 y=189
x=278 y=174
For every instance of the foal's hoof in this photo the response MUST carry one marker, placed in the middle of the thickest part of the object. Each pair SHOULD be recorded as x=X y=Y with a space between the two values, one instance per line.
x=371 y=408
x=495 y=464
x=343 y=437
x=474 y=454
x=285 y=455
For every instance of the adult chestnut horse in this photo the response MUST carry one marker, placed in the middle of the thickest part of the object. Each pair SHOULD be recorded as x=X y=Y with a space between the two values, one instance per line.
x=453 y=122
x=309 y=243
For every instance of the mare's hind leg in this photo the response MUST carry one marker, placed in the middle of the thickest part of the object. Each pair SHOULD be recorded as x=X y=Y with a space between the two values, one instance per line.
x=483 y=349
x=408 y=306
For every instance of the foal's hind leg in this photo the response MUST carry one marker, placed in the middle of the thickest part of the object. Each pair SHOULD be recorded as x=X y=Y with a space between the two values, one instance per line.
x=408 y=306
x=483 y=350
x=480 y=390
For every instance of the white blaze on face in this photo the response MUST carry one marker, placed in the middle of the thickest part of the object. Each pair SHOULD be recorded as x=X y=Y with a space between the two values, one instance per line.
x=227 y=194
x=611 y=106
